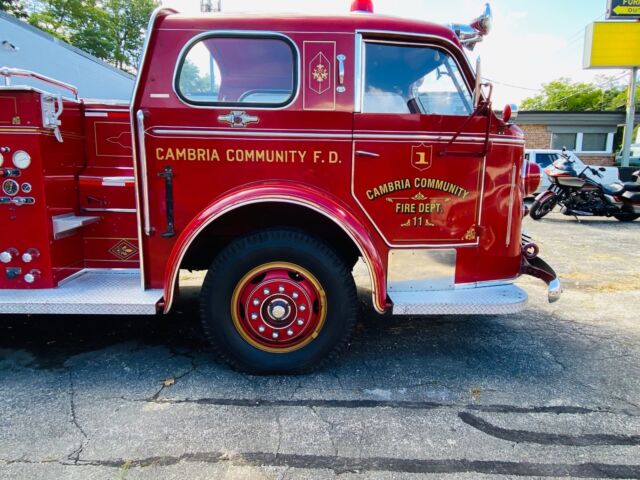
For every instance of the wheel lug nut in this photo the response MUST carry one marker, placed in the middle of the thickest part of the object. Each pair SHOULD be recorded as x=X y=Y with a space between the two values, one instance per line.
x=266 y=291
x=303 y=308
x=254 y=316
x=261 y=329
x=300 y=321
x=290 y=332
x=281 y=289
x=295 y=295
x=275 y=335
x=256 y=302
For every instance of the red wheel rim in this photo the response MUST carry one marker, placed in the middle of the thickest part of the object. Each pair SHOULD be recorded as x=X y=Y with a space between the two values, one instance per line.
x=278 y=307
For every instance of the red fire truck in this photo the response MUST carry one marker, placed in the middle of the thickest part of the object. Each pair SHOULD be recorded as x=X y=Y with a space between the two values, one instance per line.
x=273 y=153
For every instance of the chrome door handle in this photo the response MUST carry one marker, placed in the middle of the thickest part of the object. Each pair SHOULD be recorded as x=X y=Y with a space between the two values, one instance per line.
x=341 y=59
x=238 y=119
x=363 y=153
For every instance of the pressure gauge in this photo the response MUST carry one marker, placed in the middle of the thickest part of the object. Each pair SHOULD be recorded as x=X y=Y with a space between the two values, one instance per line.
x=10 y=187
x=21 y=159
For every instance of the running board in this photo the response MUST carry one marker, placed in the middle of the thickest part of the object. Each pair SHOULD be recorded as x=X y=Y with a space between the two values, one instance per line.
x=497 y=300
x=90 y=292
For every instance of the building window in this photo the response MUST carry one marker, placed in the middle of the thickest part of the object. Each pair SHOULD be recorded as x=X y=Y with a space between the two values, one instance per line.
x=583 y=142
x=563 y=140
x=594 y=142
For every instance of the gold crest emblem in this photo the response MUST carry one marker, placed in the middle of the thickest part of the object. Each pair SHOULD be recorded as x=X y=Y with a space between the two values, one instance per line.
x=421 y=156
x=123 y=250
x=320 y=73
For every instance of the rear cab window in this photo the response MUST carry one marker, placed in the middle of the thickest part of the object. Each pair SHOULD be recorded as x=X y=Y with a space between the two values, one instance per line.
x=238 y=70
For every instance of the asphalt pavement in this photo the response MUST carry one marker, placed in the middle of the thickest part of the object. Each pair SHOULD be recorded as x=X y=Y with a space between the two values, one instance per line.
x=552 y=392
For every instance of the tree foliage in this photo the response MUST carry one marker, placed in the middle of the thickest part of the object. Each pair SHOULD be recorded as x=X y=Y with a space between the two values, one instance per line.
x=112 y=30
x=564 y=95
x=13 y=7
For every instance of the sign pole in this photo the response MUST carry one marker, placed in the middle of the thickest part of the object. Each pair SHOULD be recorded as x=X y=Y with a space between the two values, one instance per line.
x=631 y=111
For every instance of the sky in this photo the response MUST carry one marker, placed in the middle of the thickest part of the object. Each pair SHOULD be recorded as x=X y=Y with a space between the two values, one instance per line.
x=532 y=42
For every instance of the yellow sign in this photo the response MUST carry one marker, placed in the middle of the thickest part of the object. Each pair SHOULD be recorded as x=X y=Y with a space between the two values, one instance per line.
x=612 y=45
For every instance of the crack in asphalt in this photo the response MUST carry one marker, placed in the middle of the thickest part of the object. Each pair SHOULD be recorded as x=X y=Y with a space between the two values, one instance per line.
x=75 y=454
x=340 y=465
x=545 y=438
x=331 y=426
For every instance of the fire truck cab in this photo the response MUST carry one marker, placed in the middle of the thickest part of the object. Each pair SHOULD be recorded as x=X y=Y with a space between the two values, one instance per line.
x=273 y=153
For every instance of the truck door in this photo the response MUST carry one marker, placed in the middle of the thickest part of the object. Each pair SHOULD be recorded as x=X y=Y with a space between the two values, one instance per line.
x=418 y=183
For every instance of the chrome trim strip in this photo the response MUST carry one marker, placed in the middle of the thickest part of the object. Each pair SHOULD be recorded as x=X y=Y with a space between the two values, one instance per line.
x=487 y=283
x=246 y=133
x=357 y=71
x=112 y=210
x=512 y=192
x=143 y=173
x=132 y=118
x=239 y=33
x=293 y=201
x=96 y=270
x=363 y=153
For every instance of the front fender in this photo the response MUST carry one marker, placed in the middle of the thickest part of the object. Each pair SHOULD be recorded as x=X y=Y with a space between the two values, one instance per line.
x=301 y=195
x=543 y=196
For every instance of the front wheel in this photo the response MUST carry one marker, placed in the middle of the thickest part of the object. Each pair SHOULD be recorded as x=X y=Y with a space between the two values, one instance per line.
x=278 y=301
x=626 y=217
x=540 y=209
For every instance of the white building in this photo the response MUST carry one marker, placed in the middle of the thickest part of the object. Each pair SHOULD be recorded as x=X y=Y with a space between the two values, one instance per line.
x=24 y=46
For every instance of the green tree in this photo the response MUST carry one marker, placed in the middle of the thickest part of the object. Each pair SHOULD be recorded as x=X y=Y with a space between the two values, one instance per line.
x=564 y=95
x=14 y=7
x=112 y=30
x=128 y=20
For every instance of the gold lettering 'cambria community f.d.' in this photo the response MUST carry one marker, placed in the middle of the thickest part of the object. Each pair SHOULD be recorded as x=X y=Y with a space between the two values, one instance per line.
x=418 y=183
x=246 y=155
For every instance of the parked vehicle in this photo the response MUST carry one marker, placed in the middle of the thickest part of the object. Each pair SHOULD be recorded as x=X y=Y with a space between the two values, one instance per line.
x=272 y=152
x=580 y=195
x=544 y=158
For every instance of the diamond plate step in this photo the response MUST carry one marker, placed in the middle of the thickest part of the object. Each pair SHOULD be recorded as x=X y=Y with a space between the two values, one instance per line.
x=96 y=292
x=495 y=300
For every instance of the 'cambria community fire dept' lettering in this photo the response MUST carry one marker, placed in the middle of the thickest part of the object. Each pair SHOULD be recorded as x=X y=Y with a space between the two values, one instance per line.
x=420 y=183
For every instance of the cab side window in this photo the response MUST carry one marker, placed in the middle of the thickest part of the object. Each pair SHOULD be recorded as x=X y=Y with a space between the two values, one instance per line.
x=238 y=71
x=413 y=79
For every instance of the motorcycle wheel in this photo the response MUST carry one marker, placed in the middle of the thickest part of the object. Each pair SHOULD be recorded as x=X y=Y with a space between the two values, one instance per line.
x=626 y=217
x=540 y=209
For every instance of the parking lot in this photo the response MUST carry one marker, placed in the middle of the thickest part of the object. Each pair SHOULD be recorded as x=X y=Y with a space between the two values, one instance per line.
x=551 y=392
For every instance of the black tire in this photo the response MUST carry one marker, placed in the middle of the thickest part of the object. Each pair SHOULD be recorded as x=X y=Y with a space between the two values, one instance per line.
x=540 y=209
x=626 y=217
x=227 y=274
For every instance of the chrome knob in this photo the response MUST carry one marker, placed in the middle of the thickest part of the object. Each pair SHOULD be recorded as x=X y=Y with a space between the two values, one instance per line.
x=30 y=255
x=8 y=255
x=32 y=276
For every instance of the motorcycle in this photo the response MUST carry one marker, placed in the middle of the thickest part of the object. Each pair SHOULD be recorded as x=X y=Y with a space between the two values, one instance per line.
x=580 y=195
